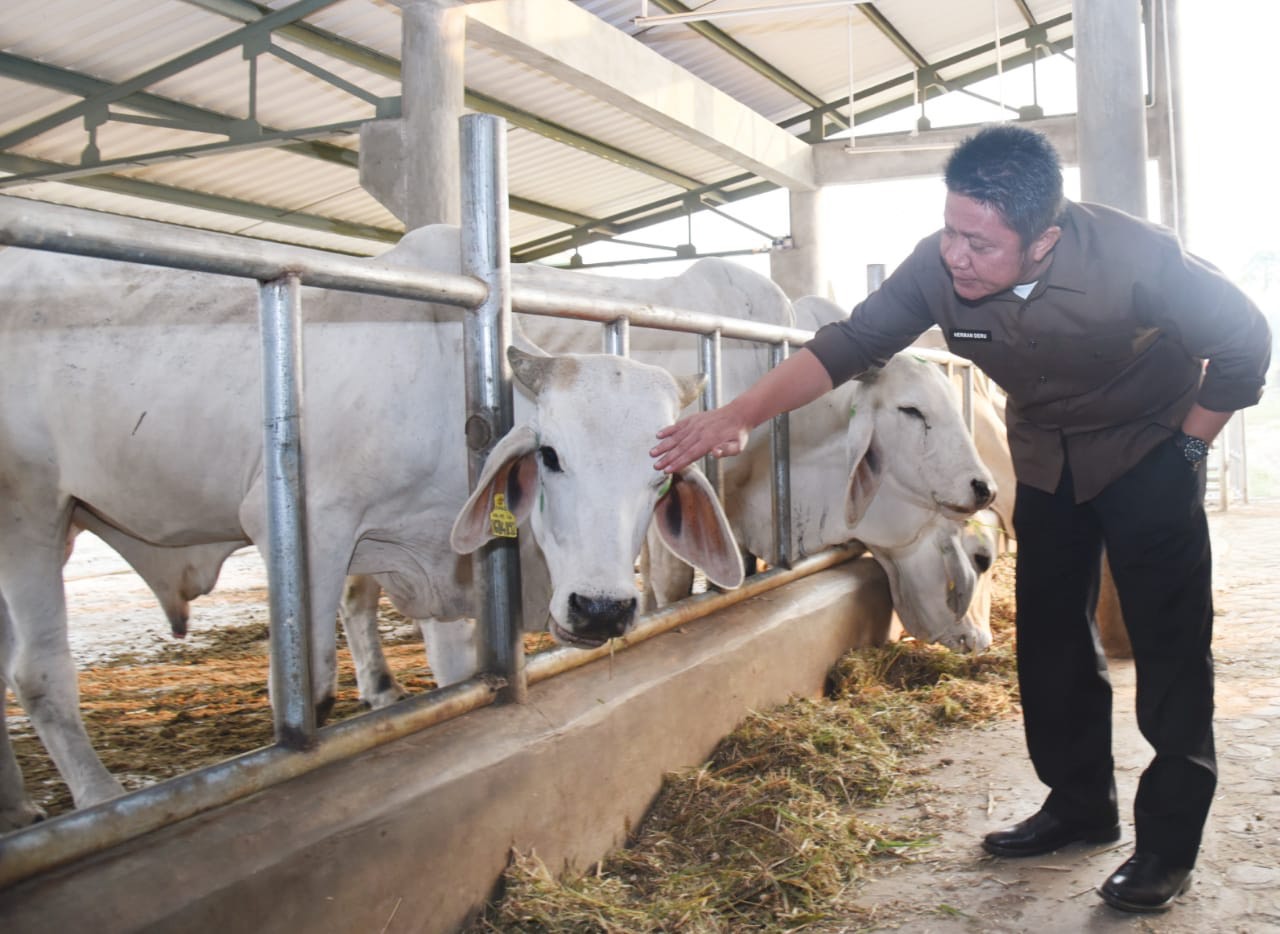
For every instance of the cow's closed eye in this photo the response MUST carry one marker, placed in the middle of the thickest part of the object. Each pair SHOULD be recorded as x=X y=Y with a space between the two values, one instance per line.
x=550 y=459
x=913 y=412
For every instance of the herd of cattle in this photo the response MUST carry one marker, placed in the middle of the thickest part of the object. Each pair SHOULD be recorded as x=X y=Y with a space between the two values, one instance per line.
x=130 y=406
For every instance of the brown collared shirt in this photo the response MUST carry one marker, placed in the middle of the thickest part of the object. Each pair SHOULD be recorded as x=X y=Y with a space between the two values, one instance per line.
x=1103 y=359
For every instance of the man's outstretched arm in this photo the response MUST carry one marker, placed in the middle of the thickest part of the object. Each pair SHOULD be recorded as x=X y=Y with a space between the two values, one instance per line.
x=796 y=381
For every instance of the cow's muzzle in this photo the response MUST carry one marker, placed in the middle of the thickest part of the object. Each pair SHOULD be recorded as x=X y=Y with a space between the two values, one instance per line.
x=983 y=495
x=595 y=620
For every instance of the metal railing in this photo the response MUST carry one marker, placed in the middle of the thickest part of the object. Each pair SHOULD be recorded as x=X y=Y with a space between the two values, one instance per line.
x=486 y=291
x=281 y=272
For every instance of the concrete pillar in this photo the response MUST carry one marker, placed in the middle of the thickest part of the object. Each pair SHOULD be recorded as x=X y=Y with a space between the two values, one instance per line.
x=1167 y=92
x=796 y=265
x=1111 y=135
x=1111 y=127
x=411 y=164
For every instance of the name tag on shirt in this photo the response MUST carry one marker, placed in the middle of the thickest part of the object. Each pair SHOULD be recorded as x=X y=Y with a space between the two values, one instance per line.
x=968 y=334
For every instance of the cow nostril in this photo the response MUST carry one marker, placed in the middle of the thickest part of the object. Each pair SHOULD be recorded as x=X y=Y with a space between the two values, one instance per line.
x=605 y=612
x=981 y=491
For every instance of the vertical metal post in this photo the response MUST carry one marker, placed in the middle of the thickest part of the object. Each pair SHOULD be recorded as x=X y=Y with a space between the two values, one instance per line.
x=780 y=454
x=709 y=364
x=875 y=276
x=617 y=337
x=280 y=318
x=1240 y=455
x=966 y=392
x=490 y=406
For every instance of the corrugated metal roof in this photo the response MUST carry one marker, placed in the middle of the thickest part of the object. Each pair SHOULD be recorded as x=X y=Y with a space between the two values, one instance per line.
x=782 y=64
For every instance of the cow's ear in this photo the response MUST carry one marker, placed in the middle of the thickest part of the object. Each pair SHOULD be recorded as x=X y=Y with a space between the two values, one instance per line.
x=504 y=494
x=960 y=574
x=691 y=523
x=866 y=470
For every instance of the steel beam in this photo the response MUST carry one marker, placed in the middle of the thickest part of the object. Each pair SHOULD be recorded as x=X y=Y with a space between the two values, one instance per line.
x=167 y=69
x=740 y=52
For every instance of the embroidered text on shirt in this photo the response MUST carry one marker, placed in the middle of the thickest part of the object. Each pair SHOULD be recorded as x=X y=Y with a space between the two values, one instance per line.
x=965 y=334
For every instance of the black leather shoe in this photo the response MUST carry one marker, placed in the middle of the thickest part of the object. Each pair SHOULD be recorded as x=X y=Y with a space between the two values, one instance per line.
x=1044 y=833
x=1145 y=882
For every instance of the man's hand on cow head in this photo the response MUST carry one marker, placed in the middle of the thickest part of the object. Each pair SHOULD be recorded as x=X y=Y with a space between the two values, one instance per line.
x=718 y=432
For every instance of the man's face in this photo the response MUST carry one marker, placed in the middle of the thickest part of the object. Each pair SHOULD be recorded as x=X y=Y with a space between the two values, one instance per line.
x=984 y=254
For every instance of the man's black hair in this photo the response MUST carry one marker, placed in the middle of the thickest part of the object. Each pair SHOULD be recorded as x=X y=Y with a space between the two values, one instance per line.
x=1014 y=170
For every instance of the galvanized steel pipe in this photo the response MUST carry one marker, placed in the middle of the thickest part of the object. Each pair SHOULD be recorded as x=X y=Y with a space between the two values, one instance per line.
x=81 y=833
x=490 y=405
x=564 y=658
x=534 y=300
x=280 y=317
x=780 y=461
x=72 y=230
x=617 y=337
x=709 y=357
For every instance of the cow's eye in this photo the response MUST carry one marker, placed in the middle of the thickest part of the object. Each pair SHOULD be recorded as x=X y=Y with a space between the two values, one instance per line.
x=550 y=459
x=913 y=412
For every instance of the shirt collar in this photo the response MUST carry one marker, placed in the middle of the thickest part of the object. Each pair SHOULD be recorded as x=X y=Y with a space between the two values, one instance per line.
x=1067 y=270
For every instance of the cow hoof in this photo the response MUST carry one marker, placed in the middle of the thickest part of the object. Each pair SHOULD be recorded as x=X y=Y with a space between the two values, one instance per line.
x=389 y=691
x=19 y=816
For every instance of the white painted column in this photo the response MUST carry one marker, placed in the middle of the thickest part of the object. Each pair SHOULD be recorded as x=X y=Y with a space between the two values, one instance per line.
x=1111 y=127
x=797 y=266
x=411 y=164
x=1111 y=133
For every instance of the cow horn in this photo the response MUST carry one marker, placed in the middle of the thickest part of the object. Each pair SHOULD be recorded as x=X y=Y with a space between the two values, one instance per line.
x=533 y=372
x=690 y=387
x=869 y=375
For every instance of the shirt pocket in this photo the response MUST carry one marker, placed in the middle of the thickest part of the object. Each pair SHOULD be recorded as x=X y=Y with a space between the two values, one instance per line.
x=1085 y=361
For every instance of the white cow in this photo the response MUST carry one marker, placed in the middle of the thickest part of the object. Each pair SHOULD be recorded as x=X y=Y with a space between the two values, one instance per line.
x=130 y=397
x=885 y=460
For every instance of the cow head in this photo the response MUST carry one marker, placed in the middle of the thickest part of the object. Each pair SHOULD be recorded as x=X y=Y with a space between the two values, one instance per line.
x=934 y=579
x=578 y=473
x=907 y=439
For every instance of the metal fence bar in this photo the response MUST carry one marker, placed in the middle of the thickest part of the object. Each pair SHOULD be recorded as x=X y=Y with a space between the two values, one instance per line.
x=709 y=361
x=617 y=337
x=289 y=591
x=966 y=393
x=780 y=460
x=535 y=300
x=60 y=229
x=559 y=660
x=81 y=833
x=72 y=230
x=490 y=404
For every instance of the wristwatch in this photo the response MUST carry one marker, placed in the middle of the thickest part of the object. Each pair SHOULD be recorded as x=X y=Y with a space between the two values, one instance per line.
x=1193 y=449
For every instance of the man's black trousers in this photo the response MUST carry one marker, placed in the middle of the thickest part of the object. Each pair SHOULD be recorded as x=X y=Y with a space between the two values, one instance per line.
x=1153 y=525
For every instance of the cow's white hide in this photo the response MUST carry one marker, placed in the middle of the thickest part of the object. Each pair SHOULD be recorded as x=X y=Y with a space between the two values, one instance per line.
x=131 y=395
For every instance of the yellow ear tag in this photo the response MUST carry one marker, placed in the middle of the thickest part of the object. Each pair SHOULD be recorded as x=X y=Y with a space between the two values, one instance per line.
x=502 y=521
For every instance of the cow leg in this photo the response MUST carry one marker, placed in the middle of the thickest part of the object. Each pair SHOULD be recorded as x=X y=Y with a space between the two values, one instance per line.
x=359 y=614
x=35 y=656
x=452 y=651
x=16 y=809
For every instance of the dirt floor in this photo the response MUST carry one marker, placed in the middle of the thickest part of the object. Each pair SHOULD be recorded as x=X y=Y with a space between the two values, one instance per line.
x=156 y=706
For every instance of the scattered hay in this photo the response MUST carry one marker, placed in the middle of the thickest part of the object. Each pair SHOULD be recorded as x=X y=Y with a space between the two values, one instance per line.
x=188 y=703
x=765 y=836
